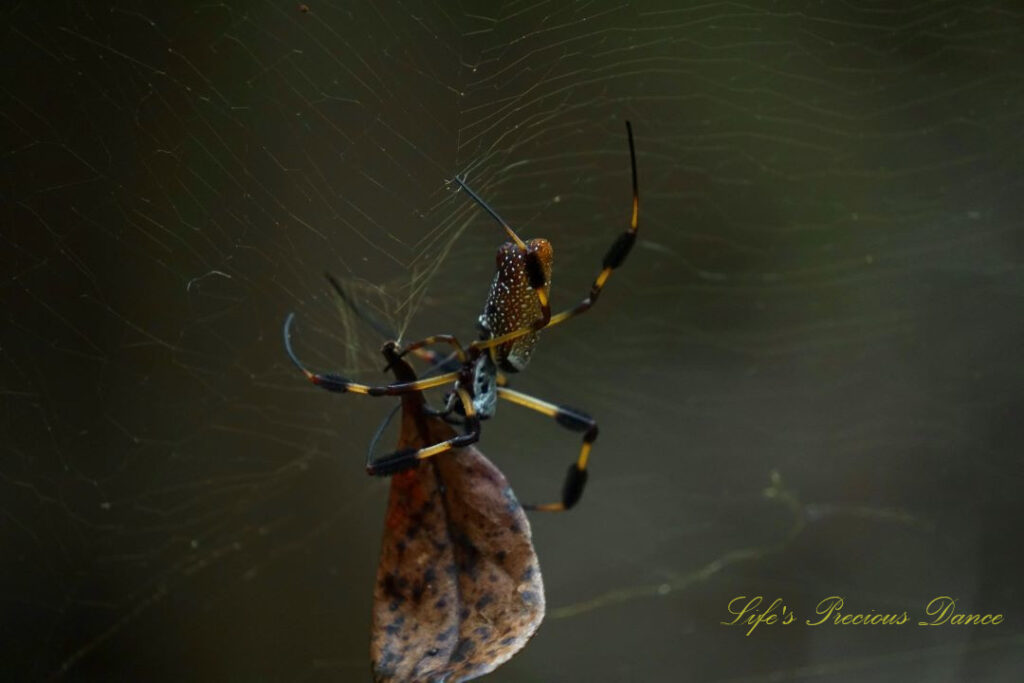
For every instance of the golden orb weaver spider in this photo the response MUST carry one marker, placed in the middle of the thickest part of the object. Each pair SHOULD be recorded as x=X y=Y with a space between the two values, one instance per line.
x=516 y=310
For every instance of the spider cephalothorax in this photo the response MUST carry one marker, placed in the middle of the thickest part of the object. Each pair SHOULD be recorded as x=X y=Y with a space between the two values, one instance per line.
x=484 y=387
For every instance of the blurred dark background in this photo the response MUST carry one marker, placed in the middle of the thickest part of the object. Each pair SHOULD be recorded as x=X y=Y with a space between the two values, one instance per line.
x=825 y=303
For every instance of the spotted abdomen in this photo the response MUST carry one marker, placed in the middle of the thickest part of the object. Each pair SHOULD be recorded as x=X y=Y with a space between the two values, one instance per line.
x=513 y=304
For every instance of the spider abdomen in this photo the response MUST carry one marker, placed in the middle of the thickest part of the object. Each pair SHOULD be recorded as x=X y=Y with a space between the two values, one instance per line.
x=512 y=303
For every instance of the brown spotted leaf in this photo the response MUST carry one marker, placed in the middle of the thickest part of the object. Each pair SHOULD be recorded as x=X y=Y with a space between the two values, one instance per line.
x=458 y=588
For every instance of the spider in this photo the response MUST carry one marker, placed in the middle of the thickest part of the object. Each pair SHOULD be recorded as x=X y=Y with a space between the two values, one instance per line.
x=516 y=310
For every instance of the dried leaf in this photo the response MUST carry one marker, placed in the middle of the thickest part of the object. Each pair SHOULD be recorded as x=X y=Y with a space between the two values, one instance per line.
x=458 y=588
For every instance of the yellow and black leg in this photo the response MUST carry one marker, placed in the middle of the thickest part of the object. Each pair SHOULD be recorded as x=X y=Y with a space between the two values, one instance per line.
x=410 y=457
x=574 y=420
x=458 y=353
x=341 y=385
x=617 y=253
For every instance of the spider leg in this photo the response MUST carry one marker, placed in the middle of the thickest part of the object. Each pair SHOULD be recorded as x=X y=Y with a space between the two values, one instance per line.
x=341 y=385
x=457 y=350
x=436 y=362
x=494 y=214
x=570 y=418
x=617 y=253
x=409 y=457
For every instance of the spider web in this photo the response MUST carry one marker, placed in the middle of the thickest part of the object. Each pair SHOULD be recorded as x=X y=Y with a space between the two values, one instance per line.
x=827 y=286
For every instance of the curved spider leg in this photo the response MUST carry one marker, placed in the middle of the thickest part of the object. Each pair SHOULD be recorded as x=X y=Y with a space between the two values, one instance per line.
x=341 y=385
x=616 y=254
x=574 y=420
x=409 y=457
x=381 y=428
